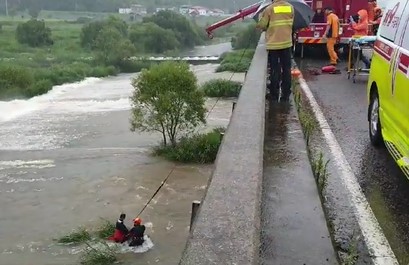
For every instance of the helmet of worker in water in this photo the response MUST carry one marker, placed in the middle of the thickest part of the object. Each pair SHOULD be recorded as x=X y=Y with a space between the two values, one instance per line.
x=137 y=221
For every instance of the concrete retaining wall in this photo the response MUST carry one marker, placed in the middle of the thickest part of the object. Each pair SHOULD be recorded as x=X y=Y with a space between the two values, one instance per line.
x=227 y=227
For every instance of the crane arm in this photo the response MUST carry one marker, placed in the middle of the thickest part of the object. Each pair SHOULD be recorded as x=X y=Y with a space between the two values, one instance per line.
x=241 y=14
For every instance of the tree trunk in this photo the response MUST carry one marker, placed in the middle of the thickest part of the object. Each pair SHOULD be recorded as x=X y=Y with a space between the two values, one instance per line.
x=165 y=142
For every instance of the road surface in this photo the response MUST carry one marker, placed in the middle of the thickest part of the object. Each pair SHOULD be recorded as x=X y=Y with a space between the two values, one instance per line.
x=344 y=105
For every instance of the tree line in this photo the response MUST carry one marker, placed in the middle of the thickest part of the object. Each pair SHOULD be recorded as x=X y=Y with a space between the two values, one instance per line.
x=113 y=5
x=114 y=40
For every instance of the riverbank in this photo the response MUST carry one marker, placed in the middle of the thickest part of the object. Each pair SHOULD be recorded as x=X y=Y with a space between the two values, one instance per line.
x=66 y=61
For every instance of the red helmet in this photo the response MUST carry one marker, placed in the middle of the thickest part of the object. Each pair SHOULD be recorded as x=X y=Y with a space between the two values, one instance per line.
x=137 y=221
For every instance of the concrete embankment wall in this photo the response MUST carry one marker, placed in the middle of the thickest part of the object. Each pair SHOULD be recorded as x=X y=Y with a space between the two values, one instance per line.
x=227 y=227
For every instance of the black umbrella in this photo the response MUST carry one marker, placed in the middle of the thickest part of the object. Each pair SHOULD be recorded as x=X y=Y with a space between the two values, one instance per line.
x=303 y=13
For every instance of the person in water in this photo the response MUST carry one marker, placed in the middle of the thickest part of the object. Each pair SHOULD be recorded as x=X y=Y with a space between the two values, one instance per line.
x=121 y=231
x=136 y=234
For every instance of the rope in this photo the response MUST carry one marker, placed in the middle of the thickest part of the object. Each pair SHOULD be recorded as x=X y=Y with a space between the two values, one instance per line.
x=207 y=116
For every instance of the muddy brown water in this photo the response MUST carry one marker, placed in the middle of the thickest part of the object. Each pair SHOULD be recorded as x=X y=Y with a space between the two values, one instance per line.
x=68 y=158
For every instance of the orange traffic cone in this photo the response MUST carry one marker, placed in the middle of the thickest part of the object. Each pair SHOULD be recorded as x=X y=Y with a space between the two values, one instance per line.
x=295 y=73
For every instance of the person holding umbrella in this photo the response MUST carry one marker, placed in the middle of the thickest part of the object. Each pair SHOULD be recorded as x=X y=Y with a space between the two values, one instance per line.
x=277 y=20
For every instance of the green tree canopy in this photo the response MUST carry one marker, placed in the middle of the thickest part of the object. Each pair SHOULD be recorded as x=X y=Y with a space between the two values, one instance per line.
x=151 y=38
x=184 y=30
x=90 y=31
x=112 y=47
x=166 y=99
x=34 y=33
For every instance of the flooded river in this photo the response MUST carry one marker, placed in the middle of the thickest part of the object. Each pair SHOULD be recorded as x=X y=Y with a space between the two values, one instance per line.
x=68 y=158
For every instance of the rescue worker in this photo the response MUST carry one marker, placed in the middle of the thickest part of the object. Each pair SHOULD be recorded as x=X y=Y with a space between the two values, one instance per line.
x=319 y=17
x=331 y=34
x=361 y=29
x=121 y=231
x=371 y=9
x=376 y=21
x=277 y=20
x=136 y=234
x=361 y=26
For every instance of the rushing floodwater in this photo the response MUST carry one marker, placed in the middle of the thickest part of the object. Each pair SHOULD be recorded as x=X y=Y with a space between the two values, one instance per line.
x=68 y=158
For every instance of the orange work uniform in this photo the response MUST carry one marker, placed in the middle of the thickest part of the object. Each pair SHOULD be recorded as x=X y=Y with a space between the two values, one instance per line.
x=332 y=36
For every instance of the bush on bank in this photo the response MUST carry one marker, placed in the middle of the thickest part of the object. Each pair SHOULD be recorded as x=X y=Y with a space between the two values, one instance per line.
x=221 y=88
x=23 y=82
x=197 y=148
x=237 y=61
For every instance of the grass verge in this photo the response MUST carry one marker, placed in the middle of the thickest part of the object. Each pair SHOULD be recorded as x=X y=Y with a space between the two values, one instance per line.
x=319 y=166
x=196 y=148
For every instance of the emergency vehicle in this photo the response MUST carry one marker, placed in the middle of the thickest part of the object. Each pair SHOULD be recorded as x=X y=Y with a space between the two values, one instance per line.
x=388 y=84
x=313 y=35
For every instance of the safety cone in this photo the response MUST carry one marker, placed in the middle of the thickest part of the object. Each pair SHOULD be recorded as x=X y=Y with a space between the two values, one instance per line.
x=295 y=73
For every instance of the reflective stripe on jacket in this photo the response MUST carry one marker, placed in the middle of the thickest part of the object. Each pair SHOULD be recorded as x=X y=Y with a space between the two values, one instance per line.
x=277 y=20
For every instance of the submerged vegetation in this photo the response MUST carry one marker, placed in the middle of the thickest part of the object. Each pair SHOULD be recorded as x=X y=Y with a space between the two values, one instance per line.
x=101 y=255
x=76 y=237
x=106 y=229
x=196 y=148
x=236 y=61
x=221 y=88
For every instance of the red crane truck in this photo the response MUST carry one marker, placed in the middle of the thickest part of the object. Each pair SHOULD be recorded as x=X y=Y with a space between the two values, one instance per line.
x=312 y=35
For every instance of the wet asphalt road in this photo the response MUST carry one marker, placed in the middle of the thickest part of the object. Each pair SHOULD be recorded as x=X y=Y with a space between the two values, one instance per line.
x=344 y=105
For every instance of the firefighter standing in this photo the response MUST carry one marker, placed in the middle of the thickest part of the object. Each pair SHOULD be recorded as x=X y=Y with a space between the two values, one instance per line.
x=277 y=20
x=371 y=9
x=376 y=21
x=331 y=34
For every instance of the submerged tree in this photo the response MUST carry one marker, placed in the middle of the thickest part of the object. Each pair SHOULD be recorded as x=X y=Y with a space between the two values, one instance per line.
x=167 y=99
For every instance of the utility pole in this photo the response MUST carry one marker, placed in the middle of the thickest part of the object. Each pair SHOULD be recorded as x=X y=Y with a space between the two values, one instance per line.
x=7 y=9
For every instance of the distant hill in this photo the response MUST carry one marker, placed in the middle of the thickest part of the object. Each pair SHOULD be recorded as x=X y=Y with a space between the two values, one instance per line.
x=113 y=5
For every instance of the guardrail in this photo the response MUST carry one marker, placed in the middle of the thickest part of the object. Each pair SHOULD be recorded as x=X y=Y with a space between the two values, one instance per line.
x=226 y=229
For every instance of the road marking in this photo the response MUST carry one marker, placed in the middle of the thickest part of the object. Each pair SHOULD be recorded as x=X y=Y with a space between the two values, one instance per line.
x=377 y=244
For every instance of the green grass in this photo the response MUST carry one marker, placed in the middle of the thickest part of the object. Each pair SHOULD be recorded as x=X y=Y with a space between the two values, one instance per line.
x=221 y=88
x=64 y=62
x=198 y=148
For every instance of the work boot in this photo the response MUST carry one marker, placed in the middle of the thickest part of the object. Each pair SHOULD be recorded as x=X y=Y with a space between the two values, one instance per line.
x=285 y=98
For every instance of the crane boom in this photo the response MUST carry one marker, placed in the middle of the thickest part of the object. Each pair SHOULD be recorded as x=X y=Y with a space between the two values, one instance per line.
x=241 y=14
